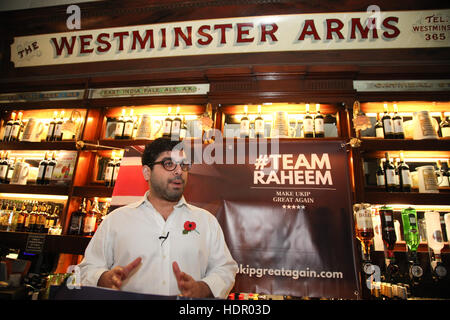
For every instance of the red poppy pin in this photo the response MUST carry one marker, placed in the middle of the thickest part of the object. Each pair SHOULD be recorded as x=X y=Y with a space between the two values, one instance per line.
x=190 y=226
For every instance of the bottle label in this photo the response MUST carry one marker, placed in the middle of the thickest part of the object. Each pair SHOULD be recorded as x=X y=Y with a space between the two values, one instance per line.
x=116 y=173
x=108 y=173
x=75 y=223
x=387 y=124
x=364 y=219
x=380 y=180
x=119 y=129
x=89 y=224
x=128 y=129
x=406 y=178
x=7 y=132
x=245 y=127
x=167 y=127
x=398 y=126
x=259 y=126
x=58 y=127
x=390 y=177
x=50 y=130
x=379 y=132
x=49 y=172
x=15 y=131
x=176 y=126
x=41 y=171
x=308 y=126
x=318 y=125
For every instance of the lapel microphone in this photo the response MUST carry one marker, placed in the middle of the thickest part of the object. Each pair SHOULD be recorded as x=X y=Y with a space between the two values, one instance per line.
x=164 y=238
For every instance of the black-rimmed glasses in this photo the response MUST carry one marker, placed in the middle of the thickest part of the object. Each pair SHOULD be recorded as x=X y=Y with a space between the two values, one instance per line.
x=170 y=164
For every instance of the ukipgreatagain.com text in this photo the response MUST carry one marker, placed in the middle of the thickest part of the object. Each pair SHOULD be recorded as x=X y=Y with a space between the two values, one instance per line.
x=293 y=273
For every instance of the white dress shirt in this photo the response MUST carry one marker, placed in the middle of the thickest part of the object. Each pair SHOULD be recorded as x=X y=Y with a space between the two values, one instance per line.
x=133 y=231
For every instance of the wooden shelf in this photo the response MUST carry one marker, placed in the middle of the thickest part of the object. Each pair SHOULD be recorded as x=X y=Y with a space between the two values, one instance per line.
x=377 y=144
x=400 y=246
x=414 y=198
x=53 y=243
x=92 y=191
x=44 y=145
x=62 y=190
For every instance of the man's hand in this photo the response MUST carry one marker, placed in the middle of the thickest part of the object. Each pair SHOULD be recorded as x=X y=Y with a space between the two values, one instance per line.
x=188 y=286
x=114 y=277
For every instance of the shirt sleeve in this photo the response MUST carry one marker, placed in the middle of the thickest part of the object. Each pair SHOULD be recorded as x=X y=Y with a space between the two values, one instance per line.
x=98 y=255
x=222 y=269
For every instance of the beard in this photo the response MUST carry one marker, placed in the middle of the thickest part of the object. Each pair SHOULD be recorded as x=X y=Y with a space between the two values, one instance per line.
x=164 y=191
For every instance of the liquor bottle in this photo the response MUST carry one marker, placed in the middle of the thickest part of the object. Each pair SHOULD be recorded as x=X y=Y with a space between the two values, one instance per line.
x=319 y=130
x=381 y=177
x=21 y=219
x=15 y=216
x=8 y=127
x=442 y=174
x=412 y=240
x=76 y=225
x=389 y=172
x=41 y=219
x=51 y=127
x=364 y=228
x=4 y=165
x=90 y=219
x=167 y=125
x=259 y=124
x=30 y=223
x=52 y=217
x=389 y=240
x=49 y=169
x=388 y=127
x=120 y=126
x=379 y=132
x=128 y=126
x=398 y=124
x=57 y=134
x=176 y=126
x=435 y=243
x=103 y=213
x=46 y=210
x=183 y=130
x=16 y=128
x=308 y=124
x=4 y=208
x=10 y=171
x=444 y=127
x=404 y=175
x=109 y=172
x=116 y=171
x=244 y=131
x=397 y=179
x=40 y=179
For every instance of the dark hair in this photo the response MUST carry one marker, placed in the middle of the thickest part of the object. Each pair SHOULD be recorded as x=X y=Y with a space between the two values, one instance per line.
x=155 y=148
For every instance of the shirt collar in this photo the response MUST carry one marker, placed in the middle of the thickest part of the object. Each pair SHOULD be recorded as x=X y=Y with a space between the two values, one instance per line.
x=182 y=202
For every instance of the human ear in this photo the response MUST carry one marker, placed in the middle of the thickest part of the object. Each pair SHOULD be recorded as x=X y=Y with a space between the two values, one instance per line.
x=146 y=171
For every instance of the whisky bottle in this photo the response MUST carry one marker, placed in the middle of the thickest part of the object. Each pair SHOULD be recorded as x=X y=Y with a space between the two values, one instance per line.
x=259 y=124
x=49 y=169
x=23 y=214
x=10 y=171
x=116 y=172
x=381 y=178
x=404 y=175
x=167 y=125
x=397 y=173
x=389 y=239
x=444 y=126
x=308 y=124
x=319 y=129
x=120 y=126
x=30 y=223
x=41 y=219
x=57 y=134
x=16 y=128
x=398 y=124
x=388 y=127
x=109 y=172
x=435 y=243
x=90 y=219
x=8 y=127
x=176 y=126
x=41 y=171
x=244 y=131
x=364 y=228
x=4 y=165
x=76 y=225
x=379 y=132
x=128 y=126
x=183 y=130
x=15 y=216
x=412 y=240
x=389 y=172
x=51 y=127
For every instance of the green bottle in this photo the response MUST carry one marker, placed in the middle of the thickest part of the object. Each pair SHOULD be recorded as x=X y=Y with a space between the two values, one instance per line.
x=410 y=229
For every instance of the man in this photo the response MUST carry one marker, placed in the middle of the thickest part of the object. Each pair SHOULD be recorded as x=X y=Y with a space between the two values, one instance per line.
x=161 y=244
